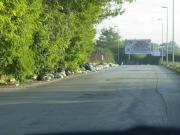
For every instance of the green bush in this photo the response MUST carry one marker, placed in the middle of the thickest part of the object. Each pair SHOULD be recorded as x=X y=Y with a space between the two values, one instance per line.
x=175 y=67
x=39 y=36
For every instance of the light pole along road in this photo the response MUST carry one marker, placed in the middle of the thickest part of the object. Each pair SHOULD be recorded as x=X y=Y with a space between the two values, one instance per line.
x=162 y=37
x=173 y=45
x=167 y=34
x=138 y=99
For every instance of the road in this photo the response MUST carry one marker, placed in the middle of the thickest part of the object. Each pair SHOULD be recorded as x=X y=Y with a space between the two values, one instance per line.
x=118 y=99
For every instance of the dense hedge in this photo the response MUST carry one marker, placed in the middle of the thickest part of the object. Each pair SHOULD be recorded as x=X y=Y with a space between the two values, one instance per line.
x=39 y=36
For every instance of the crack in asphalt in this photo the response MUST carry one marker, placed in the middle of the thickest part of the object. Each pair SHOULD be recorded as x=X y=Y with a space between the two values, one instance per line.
x=165 y=119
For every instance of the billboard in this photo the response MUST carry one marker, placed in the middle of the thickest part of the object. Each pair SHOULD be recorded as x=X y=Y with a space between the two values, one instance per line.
x=138 y=46
x=156 y=53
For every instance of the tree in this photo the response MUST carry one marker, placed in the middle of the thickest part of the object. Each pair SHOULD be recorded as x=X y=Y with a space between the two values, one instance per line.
x=109 y=39
x=17 y=21
x=39 y=36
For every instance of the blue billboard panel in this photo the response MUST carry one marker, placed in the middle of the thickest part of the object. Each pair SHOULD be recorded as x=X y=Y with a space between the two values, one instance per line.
x=138 y=46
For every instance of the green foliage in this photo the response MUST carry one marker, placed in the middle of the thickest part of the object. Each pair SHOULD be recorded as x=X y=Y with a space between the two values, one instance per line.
x=107 y=45
x=38 y=36
x=17 y=21
x=175 y=67
x=96 y=56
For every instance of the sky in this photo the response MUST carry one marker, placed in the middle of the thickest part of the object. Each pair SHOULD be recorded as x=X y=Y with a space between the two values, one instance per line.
x=140 y=21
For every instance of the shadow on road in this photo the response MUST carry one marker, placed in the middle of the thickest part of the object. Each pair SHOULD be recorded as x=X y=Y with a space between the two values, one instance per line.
x=133 y=131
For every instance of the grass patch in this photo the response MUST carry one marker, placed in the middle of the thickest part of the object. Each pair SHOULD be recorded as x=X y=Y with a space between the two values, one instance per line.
x=175 y=67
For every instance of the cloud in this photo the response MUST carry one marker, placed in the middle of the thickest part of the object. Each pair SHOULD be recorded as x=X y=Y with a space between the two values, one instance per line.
x=140 y=20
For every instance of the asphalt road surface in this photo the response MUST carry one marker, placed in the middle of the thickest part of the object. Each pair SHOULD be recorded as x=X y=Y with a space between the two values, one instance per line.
x=113 y=100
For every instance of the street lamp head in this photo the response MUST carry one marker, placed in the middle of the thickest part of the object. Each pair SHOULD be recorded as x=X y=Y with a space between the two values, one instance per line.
x=164 y=7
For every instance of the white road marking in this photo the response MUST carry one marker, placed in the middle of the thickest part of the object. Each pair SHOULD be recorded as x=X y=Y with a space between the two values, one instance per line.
x=54 y=102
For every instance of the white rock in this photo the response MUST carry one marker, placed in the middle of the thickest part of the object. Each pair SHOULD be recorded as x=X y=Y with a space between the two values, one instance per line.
x=17 y=84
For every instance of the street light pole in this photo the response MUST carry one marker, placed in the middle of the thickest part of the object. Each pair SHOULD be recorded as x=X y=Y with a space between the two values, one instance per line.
x=173 y=45
x=162 y=32
x=167 y=49
x=118 y=50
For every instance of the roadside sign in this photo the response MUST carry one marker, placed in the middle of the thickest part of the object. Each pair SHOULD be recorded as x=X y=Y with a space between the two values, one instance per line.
x=142 y=46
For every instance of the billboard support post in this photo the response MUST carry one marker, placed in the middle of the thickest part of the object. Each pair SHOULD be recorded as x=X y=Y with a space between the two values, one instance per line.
x=129 y=57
